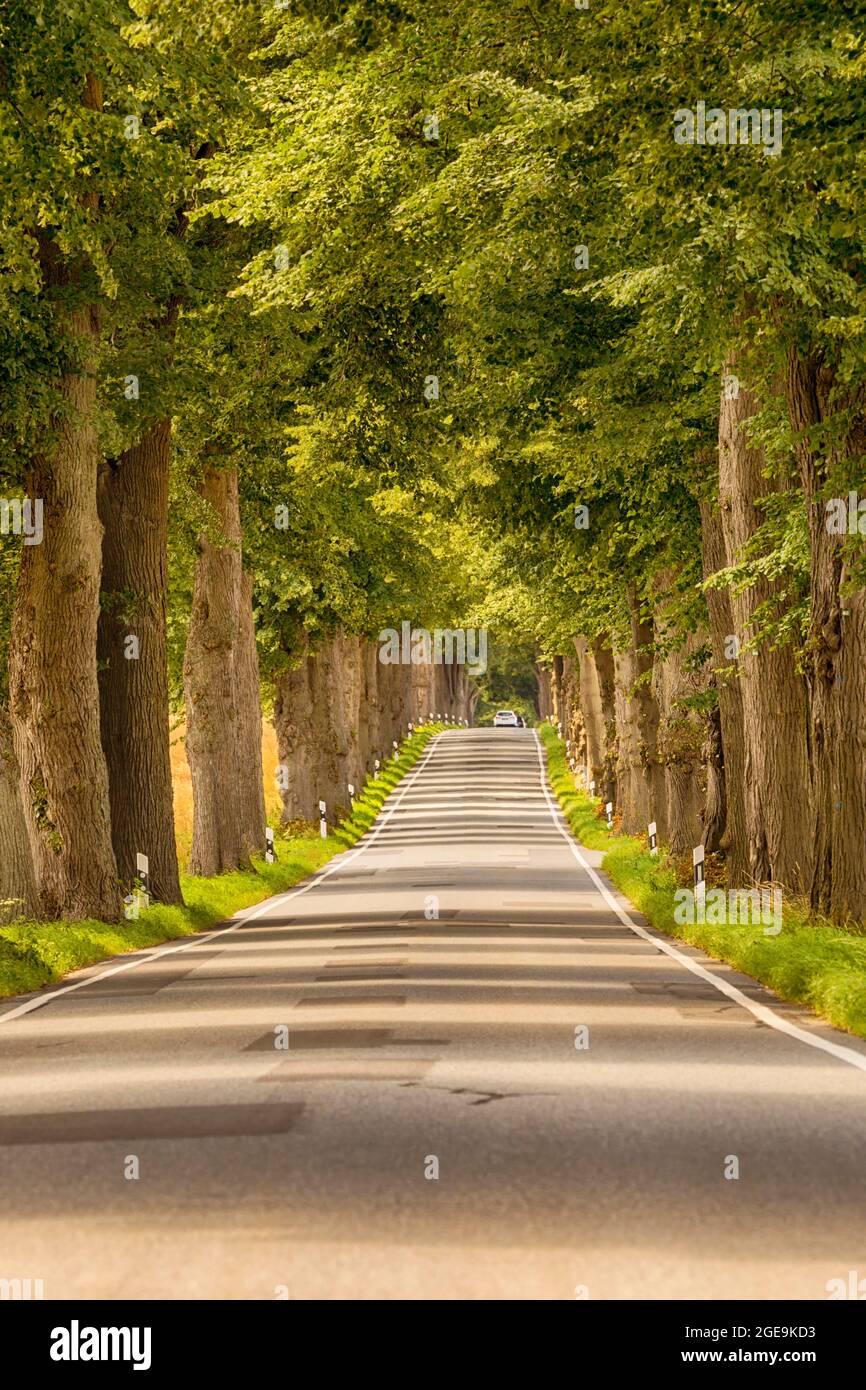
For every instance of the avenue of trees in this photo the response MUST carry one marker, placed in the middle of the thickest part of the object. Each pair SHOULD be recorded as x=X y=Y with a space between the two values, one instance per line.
x=320 y=317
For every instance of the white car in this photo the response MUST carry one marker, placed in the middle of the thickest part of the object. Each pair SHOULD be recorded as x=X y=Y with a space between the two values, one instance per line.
x=505 y=719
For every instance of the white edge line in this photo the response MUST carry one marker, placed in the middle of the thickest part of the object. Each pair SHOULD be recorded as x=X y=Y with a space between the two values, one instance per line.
x=760 y=1011
x=246 y=914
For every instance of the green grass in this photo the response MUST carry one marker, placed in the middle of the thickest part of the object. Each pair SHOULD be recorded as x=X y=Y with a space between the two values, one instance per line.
x=811 y=962
x=33 y=954
x=368 y=805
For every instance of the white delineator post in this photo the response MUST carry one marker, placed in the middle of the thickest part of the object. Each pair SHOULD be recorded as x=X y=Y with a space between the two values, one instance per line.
x=351 y=794
x=609 y=809
x=652 y=832
x=270 y=855
x=142 y=868
x=700 y=881
x=323 y=824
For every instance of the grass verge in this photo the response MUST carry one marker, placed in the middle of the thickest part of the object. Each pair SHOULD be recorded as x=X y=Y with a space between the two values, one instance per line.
x=33 y=954
x=811 y=961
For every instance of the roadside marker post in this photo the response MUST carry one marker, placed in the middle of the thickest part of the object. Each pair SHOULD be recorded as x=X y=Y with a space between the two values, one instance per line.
x=270 y=855
x=652 y=831
x=609 y=809
x=323 y=823
x=700 y=881
x=351 y=794
x=142 y=868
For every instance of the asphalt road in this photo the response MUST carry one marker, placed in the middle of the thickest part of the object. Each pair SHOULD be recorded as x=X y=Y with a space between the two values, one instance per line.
x=417 y=1041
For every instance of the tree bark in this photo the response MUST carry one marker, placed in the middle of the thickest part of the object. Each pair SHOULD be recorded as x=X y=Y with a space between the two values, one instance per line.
x=848 y=774
x=251 y=781
x=218 y=674
x=368 y=716
x=640 y=778
x=836 y=653
x=726 y=808
x=591 y=709
x=681 y=731
x=18 y=893
x=54 y=691
x=778 y=790
x=544 y=697
x=133 y=681
x=293 y=725
x=603 y=660
x=632 y=798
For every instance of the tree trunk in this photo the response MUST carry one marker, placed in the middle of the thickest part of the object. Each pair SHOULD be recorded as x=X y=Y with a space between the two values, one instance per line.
x=368 y=716
x=836 y=655
x=715 y=811
x=726 y=790
x=224 y=776
x=640 y=778
x=425 y=692
x=632 y=798
x=18 y=895
x=681 y=731
x=777 y=779
x=848 y=777
x=312 y=729
x=251 y=780
x=54 y=691
x=131 y=647
x=544 y=697
x=567 y=701
x=293 y=718
x=603 y=660
x=341 y=694
x=590 y=705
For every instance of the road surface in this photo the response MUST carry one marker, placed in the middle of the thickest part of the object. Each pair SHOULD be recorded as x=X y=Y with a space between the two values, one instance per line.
x=420 y=1043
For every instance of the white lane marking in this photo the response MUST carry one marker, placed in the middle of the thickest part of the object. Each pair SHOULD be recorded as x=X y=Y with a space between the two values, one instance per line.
x=760 y=1011
x=246 y=915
